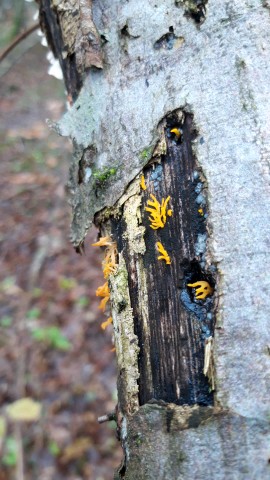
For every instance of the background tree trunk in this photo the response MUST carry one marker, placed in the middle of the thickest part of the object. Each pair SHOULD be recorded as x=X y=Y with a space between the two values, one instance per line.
x=135 y=71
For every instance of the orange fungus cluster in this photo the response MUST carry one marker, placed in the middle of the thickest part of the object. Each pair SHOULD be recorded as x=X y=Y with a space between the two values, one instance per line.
x=109 y=266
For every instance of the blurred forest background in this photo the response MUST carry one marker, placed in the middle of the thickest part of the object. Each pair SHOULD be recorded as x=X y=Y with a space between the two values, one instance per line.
x=52 y=348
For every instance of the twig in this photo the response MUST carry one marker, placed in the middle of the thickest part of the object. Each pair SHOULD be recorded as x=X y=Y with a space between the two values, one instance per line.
x=19 y=467
x=20 y=327
x=107 y=418
x=17 y=40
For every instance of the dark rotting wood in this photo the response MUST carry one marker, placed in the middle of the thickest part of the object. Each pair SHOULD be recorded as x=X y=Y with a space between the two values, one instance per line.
x=178 y=323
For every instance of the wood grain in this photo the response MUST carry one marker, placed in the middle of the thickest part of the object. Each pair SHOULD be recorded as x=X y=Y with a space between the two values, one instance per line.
x=172 y=342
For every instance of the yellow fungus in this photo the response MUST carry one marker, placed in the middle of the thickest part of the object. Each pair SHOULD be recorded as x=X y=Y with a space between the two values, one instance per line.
x=103 y=241
x=176 y=131
x=103 y=303
x=105 y=324
x=109 y=266
x=143 y=186
x=109 y=263
x=164 y=254
x=202 y=289
x=200 y=211
x=158 y=212
x=104 y=292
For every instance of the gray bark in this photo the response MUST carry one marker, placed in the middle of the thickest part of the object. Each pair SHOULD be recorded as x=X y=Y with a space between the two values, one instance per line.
x=209 y=60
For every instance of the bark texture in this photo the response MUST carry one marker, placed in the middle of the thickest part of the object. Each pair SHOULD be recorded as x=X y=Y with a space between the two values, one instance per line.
x=210 y=61
x=187 y=443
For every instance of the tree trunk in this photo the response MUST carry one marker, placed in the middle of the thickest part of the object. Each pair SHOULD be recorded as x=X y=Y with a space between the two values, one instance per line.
x=169 y=107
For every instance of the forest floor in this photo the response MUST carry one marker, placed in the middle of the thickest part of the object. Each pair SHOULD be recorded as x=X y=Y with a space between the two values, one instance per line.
x=52 y=348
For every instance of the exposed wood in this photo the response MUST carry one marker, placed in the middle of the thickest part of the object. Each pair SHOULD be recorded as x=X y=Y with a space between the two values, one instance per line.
x=171 y=326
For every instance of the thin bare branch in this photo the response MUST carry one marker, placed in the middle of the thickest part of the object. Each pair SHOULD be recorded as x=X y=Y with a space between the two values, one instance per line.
x=18 y=40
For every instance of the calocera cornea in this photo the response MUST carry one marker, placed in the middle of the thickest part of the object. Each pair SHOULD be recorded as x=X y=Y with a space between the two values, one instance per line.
x=158 y=212
x=104 y=292
x=202 y=289
x=176 y=132
x=142 y=182
x=109 y=266
x=107 y=322
x=164 y=254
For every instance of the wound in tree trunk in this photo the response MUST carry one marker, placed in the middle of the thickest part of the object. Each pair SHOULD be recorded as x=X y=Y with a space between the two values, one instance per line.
x=177 y=318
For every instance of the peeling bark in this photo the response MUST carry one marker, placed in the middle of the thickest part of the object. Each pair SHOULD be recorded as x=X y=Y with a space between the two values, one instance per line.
x=73 y=38
x=202 y=68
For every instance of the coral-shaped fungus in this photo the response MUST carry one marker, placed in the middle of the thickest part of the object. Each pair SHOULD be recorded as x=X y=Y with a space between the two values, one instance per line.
x=142 y=182
x=176 y=132
x=105 y=324
x=104 y=292
x=158 y=212
x=164 y=254
x=109 y=266
x=103 y=241
x=202 y=289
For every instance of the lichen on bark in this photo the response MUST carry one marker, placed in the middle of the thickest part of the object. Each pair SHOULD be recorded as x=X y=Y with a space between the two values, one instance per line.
x=126 y=342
